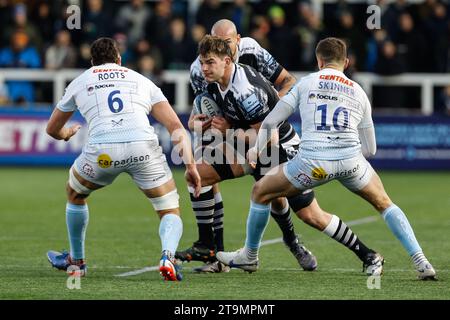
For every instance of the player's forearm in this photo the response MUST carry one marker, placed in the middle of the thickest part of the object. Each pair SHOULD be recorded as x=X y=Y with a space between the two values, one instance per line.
x=269 y=127
x=61 y=134
x=285 y=82
x=182 y=142
x=368 y=142
x=56 y=125
x=191 y=122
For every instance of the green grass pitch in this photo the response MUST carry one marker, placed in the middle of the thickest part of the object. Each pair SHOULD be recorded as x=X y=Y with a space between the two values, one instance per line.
x=123 y=236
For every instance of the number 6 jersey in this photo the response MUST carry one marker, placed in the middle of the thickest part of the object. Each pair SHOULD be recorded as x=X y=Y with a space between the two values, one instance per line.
x=115 y=101
x=332 y=109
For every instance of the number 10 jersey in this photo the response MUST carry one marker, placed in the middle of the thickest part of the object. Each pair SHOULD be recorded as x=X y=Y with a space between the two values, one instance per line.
x=332 y=109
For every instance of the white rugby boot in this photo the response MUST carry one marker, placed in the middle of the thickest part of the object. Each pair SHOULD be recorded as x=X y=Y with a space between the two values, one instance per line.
x=238 y=259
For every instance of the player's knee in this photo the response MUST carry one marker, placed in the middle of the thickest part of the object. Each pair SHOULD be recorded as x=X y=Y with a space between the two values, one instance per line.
x=380 y=201
x=258 y=194
x=162 y=213
x=75 y=197
x=278 y=204
x=383 y=202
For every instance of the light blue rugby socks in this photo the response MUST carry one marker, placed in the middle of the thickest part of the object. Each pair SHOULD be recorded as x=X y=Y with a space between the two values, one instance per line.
x=77 y=218
x=257 y=220
x=400 y=227
x=170 y=231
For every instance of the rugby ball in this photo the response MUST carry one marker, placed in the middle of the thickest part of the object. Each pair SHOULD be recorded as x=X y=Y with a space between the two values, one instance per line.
x=205 y=104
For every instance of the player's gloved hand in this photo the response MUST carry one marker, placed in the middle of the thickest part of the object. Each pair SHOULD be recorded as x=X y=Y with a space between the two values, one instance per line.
x=221 y=124
x=200 y=121
x=193 y=179
x=72 y=131
x=252 y=157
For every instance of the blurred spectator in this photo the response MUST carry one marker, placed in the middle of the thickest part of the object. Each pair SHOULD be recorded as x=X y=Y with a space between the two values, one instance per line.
x=179 y=8
x=241 y=14
x=388 y=62
x=209 y=12
x=132 y=19
x=157 y=27
x=390 y=17
x=146 y=67
x=354 y=38
x=306 y=36
x=62 y=54
x=280 y=36
x=375 y=42
x=425 y=9
x=60 y=22
x=20 y=55
x=3 y=95
x=124 y=49
x=411 y=44
x=96 y=22
x=261 y=30
x=20 y=21
x=5 y=20
x=415 y=38
x=438 y=34
x=197 y=34
x=84 y=56
x=177 y=48
x=42 y=18
x=144 y=47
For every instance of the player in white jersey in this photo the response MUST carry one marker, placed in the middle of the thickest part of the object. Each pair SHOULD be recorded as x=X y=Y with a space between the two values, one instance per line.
x=116 y=102
x=337 y=134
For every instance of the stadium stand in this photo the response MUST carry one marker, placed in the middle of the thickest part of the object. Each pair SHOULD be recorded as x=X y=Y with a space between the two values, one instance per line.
x=156 y=36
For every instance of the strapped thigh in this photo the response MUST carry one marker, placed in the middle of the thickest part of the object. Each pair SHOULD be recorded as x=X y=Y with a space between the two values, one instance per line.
x=76 y=185
x=166 y=202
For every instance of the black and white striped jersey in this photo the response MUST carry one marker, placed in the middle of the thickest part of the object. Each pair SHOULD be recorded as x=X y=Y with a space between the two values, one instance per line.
x=249 y=53
x=248 y=99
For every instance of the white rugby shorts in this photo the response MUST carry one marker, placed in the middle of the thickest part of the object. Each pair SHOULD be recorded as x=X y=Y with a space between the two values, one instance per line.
x=144 y=161
x=354 y=173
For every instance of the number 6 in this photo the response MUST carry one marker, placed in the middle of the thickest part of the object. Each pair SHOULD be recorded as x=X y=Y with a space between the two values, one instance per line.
x=116 y=100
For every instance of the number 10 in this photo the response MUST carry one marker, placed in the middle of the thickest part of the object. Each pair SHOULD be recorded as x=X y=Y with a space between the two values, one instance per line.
x=323 y=122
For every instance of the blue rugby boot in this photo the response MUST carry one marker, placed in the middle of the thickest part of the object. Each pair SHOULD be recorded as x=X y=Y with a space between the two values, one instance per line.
x=168 y=268
x=63 y=261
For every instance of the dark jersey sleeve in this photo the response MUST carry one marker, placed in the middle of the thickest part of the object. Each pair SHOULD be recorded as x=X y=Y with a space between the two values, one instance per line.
x=254 y=55
x=198 y=83
x=259 y=97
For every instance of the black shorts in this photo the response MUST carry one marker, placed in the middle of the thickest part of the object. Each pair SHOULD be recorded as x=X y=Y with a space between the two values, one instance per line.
x=223 y=169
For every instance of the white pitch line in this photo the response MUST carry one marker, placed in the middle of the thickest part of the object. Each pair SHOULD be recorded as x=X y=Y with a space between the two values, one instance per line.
x=263 y=243
x=136 y=272
x=362 y=220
